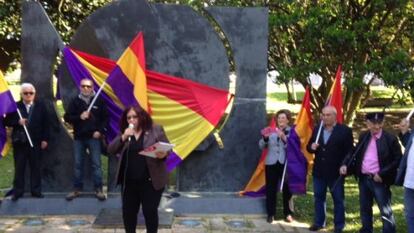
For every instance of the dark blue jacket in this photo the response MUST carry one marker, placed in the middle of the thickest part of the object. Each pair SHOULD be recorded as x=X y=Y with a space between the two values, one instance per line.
x=329 y=156
x=389 y=155
x=38 y=125
x=84 y=129
x=406 y=140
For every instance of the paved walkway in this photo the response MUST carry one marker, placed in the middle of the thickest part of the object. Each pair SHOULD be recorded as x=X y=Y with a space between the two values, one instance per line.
x=189 y=224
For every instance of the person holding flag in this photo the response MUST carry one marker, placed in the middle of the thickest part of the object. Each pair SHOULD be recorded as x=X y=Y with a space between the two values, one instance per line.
x=275 y=140
x=89 y=119
x=30 y=136
x=333 y=144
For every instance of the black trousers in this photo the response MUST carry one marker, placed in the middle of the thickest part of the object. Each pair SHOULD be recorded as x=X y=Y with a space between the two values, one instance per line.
x=137 y=193
x=273 y=175
x=23 y=153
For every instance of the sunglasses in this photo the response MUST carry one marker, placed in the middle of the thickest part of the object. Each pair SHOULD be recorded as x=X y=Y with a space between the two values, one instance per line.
x=28 y=93
x=132 y=117
x=86 y=86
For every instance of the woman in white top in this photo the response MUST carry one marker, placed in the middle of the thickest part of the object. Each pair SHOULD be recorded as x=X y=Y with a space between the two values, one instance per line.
x=275 y=140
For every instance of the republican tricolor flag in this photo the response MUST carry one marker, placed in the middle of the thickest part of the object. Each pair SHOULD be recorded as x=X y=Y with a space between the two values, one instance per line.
x=187 y=110
x=7 y=105
x=128 y=79
x=335 y=95
x=297 y=158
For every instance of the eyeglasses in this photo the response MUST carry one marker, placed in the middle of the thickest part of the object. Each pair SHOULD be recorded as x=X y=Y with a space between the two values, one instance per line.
x=28 y=93
x=86 y=86
x=132 y=117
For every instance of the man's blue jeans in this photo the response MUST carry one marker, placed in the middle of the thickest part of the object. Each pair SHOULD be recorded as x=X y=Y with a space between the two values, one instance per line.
x=409 y=208
x=94 y=148
x=320 y=187
x=368 y=190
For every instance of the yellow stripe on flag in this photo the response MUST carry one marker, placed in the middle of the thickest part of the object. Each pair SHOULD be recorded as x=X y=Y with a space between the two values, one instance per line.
x=3 y=83
x=184 y=127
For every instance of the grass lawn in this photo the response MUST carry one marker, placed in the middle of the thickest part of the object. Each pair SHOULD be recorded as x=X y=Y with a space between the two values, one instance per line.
x=304 y=208
x=6 y=173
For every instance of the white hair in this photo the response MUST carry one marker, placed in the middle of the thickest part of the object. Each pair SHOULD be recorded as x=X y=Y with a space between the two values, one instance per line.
x=330 y=108
x=26 y=86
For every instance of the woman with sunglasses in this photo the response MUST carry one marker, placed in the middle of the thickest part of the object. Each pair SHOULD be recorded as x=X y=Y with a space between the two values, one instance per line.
x=142 y=178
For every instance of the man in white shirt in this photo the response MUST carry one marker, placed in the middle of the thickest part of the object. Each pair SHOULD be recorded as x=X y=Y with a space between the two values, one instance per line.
x=405 y=175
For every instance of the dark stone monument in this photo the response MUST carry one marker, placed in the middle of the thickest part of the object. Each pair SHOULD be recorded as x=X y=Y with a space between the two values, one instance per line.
x=179 y=42
x=40 y=45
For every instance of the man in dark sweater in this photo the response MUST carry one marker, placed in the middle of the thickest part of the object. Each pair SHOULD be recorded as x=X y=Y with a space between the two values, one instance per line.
x=88 y=128
x=334 y=143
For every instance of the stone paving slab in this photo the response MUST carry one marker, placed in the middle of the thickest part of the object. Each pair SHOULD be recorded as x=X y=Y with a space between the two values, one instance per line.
x=181 y=224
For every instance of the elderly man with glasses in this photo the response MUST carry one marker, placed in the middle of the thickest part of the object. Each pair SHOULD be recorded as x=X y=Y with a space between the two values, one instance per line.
x=88 y=128
x=33 y=116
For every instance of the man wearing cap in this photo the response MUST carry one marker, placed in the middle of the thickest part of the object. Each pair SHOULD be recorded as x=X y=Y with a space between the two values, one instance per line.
x=375 y=161
x=405 y=175
x=334 y=143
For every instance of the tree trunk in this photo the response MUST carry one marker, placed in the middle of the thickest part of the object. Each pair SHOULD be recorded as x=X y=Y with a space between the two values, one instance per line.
x=352 y=106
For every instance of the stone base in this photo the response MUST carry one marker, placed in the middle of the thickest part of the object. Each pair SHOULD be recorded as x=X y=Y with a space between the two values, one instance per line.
x=112 y=218
x=189 y=203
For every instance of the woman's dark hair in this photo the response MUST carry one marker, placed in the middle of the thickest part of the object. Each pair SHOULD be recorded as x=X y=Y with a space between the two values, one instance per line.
x=144 y=119
x=284 y=111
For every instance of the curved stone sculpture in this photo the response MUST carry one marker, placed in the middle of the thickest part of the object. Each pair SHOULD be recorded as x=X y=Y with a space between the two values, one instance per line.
x=179 y=42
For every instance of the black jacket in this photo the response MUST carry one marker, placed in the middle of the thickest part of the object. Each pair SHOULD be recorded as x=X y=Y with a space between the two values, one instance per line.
x=389 y=155
x=38 y=125
x=406 y=140
x=329 y=156
x=84 y=129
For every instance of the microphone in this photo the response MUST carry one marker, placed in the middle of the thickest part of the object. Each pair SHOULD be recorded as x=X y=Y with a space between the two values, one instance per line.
x=130 y=126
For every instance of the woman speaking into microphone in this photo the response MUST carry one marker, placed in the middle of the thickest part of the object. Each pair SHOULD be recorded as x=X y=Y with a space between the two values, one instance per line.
x=142 y=178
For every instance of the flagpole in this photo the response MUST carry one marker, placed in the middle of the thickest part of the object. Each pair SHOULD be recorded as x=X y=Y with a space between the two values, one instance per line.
x=319 y=132
x=283 y=176
x=96 y=96
x=409 y=115
x=25 y=128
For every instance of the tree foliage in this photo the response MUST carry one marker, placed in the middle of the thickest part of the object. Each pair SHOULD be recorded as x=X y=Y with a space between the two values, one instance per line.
x=66 y=15
x=364 y=36
x=305 y=36
x=311 y=36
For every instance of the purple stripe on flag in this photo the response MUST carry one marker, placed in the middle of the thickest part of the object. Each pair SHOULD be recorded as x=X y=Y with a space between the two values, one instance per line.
x=259 y=193
x=75 y=67
x=122 y=87
x=297 y=165
x=3 y=136
x=7 y=103
x=173 y=161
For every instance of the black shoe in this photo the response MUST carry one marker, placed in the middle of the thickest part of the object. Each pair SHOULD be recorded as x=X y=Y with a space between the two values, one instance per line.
x=269 y=219
x=38 y=195
x=15 y=198
x=315 y=228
